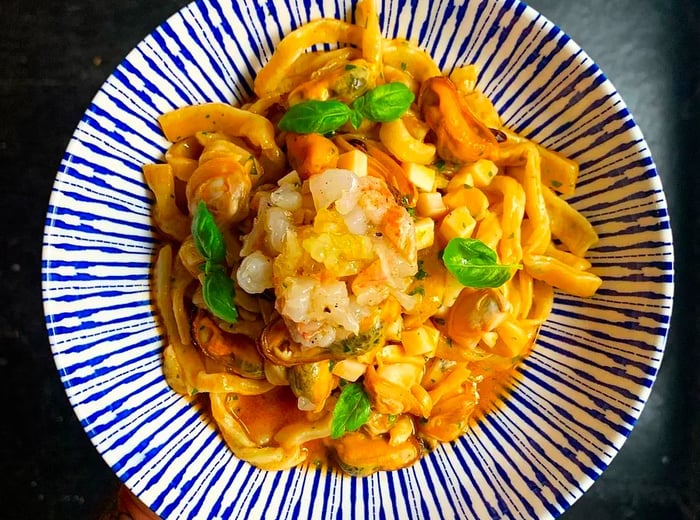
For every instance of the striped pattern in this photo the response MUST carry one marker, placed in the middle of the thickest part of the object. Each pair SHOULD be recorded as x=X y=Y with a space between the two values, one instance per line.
x=574 y=400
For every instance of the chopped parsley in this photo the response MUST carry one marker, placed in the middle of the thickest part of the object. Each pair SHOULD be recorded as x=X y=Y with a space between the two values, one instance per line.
x=422 y=273
x=417 y=290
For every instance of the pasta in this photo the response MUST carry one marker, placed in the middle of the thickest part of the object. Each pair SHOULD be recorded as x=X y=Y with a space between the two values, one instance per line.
x=355 y=259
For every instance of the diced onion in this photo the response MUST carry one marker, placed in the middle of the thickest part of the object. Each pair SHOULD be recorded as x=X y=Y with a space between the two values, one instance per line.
x=331 y=299
x=286 y=197
x=334 y=185
x=291 y=178
x=355 y=221
x=305 y=404
x=297 y=298
x=277 y=222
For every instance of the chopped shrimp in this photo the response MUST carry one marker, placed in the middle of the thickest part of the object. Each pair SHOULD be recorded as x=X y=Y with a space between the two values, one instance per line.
x=391 y=220
x=397 y=226
x=224 y=186
x=394 y=241
x=370 y=285
x=375 y=199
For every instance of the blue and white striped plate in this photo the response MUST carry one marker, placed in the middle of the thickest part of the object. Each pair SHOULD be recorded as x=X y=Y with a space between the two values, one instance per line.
x=574 y=400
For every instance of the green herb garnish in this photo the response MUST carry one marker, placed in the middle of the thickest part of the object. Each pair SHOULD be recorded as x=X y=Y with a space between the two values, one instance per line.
x=384 y=103
x=217 y=289
x=355 y=119
x=421 y=273
x=417 y=290
x=314 y=116
x=475 y=264
x=207 y=236
x=351 y=411
x=218 y=294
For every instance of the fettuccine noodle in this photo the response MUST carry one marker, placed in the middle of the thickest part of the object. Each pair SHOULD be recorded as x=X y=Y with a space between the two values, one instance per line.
x=336 y=246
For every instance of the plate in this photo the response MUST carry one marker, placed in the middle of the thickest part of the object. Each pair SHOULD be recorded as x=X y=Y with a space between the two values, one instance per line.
x=572 y=402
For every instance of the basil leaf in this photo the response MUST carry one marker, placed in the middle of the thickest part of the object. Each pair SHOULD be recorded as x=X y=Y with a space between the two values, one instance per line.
x=218 y=293
x=207 y=236
x=217 y=287
x=351 y=411
x=355 y=119
x=385 y=103
x=475 y=264
x=314 y=116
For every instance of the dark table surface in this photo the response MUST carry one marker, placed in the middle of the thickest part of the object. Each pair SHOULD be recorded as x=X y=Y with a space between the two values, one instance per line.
x=53 y=58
